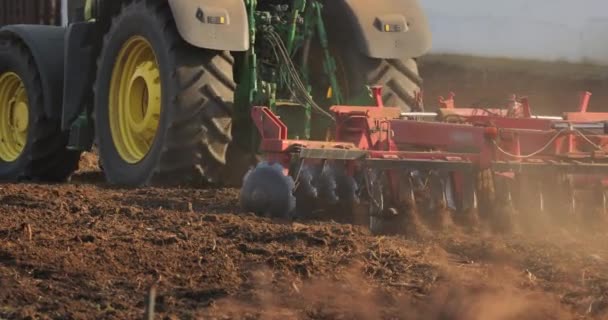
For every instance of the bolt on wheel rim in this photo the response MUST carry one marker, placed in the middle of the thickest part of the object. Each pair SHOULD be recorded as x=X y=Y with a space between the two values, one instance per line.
x=14 y=117
x=135 y=100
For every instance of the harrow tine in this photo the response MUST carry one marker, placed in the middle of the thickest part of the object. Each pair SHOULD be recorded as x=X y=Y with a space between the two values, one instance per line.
x=462 y=198
x=592 y=208
x=440 y=189
x=495 y=200
x=559 y=199
x=604 y=211
x=486 y=193
x=530 y=202
x=437 y=188
x=305 y=192
x=407 y=192
x=381 y=220
x=408 y=206
x=327 y=185
x=602 y=205
x=390 y=214
x=504 y=210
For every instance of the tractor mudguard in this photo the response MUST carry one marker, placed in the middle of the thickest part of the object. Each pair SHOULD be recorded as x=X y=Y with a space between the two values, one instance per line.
x=46 y=44
x=212 y=24
x=79 y=73
x=383 y=29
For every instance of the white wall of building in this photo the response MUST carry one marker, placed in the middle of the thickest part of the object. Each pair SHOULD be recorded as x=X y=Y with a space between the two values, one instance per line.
x=549 y=30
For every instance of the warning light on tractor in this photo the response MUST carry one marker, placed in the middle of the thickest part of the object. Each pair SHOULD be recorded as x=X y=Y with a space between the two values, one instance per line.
x=216 y=20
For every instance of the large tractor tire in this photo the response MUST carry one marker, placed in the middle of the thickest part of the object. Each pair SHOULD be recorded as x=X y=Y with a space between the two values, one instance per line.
x=163 y=108
x=399 y=78
x=32 y=145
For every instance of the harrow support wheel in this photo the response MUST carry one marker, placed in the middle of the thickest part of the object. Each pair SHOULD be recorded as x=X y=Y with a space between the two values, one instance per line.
x=32 y=145
x=163 y=109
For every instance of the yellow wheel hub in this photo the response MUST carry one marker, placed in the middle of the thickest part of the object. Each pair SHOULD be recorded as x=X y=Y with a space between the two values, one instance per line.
x=135 y=100
x=14 y=116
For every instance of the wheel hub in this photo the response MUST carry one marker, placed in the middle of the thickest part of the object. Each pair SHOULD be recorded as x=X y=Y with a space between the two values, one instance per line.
x=144 y=96
x=14 y=117
x=135 y=100
x=20 y=117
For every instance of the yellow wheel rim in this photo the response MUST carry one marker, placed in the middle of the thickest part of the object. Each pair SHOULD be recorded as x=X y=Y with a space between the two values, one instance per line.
x=14 y=116
x=135 y=100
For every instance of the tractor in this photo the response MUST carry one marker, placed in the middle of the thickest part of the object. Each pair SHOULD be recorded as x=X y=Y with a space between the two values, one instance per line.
x=164 y=88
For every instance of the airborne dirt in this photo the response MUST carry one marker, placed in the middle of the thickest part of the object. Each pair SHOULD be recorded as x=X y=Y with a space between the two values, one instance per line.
x=87 y=251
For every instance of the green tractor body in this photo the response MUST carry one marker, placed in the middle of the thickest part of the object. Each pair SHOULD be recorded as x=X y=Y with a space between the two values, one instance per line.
x=164 y=88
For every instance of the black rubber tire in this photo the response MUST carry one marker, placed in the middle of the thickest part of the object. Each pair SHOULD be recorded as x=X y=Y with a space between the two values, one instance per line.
x=400 y=78
x=45 y=157
x=197 y=100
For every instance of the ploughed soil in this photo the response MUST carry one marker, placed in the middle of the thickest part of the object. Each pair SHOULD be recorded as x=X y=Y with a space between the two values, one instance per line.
x=85 y=250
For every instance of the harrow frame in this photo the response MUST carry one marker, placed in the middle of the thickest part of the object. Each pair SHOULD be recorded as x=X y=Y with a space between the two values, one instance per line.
x=509 y=142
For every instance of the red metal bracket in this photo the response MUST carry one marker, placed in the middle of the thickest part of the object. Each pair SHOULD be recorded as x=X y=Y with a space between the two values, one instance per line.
x=268 y=124
x=525 y=105
x=377 y=93
x=449 y=103
x=584 y=102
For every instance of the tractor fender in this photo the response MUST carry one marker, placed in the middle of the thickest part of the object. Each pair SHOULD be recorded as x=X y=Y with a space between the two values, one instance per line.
x=46 y=46
x=212 y=24
x=79 y=74
x=383 y=29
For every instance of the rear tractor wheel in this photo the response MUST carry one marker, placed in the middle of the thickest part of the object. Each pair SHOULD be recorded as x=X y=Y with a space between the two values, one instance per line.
x=163 y=108
x=399 y=77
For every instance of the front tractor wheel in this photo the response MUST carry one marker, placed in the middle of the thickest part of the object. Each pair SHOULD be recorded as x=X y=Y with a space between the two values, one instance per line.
x=163 y=108
x=32 y=145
